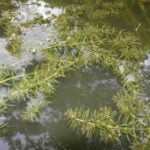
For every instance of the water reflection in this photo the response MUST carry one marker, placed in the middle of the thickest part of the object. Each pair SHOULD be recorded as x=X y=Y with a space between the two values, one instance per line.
x=92 y=87
x=38 y=37
x=34 y=8
x=33 y=38
x=4 y=145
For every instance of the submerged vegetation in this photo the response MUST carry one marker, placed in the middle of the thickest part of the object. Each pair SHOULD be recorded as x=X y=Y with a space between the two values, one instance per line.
x=122 y=52
x=84 y=38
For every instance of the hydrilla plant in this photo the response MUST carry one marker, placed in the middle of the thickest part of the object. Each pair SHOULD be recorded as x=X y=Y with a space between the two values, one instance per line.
x=111 y=47
x=78 y=45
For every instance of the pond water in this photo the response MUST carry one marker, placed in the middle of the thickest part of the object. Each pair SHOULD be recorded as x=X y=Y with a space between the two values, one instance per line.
x=91 y=87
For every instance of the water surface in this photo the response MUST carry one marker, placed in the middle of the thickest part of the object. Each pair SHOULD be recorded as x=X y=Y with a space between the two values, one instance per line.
x=91 y=87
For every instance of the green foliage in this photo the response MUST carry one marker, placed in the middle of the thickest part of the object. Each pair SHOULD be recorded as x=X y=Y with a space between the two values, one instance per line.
x=8 y=29
x=94 y=42
x=111 y=48
x=103 y=124
x=14 y=46
x=3 y=23
x=33 y=109
x=98 y=123
x=53 y=68
x=6 y=5
x=5 y=74
x=5 y=106
x=3 y=129
x=128 y=102
x=141 y=145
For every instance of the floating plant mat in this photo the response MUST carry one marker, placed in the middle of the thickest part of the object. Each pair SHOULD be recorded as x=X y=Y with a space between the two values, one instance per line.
x=44 y=44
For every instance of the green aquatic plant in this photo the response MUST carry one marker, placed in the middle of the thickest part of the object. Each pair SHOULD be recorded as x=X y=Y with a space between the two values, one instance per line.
x=3 y=129
x=42 y=80
x=3 y=23
x=8 y=29
x=94 y=123
x=6 y=5
x=86 y=38
x=33 y=109
x=111 y=48
x=53 y=68
x=5 y=74
x=12 y=32
x=5 y=106
x=103 y=124
x=14 y=46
